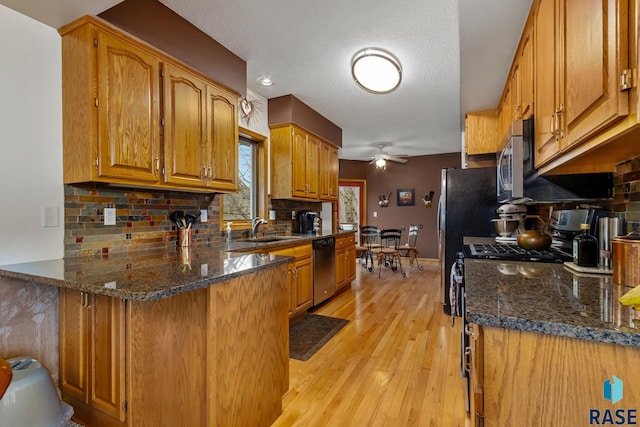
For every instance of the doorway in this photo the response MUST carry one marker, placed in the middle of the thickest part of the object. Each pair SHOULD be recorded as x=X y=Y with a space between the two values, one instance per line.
x=352 y=204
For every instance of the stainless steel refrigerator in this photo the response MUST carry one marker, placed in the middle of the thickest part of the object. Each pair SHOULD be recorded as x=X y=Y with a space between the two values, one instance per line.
x=468 y=202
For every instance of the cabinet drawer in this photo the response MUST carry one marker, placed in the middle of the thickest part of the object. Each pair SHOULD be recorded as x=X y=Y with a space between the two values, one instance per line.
x=298 y=252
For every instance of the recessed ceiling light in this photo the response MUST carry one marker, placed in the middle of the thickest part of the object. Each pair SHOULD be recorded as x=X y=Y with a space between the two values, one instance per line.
x=265 y=81
x=376 y=70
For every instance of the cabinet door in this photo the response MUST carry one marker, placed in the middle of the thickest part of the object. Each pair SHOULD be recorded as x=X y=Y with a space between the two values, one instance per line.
x=107 y=355
x=350 y=260
x=595 y=50
x=92 y=351
x=184 y=135
x=481 y=132
x=526 y=72
x=128 y=111
x=324 y=171
x=312 y=168
x=334 y=173
x=74 y=345
x=476 y=380
x=222 y=134
x=546 y=142
x=298 y=163
x=341 y=273
x=304 y=284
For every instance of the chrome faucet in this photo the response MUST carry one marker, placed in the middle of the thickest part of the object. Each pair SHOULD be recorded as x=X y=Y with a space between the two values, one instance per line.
x=255 y=223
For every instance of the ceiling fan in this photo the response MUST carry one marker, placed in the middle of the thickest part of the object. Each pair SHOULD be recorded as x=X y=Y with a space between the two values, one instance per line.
x=380 y=158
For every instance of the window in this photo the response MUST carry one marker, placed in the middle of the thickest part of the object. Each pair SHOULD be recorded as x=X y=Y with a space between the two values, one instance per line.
x=243 y=205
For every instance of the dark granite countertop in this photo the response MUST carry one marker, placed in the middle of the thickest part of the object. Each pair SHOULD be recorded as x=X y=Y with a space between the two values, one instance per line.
x=550 y=299
x=155 y=274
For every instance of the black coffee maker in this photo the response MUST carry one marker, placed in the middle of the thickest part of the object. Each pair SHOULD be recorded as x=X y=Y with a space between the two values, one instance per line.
x=305 y=221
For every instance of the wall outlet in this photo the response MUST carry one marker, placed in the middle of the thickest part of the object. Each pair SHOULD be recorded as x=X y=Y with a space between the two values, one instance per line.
x=272 y=215
x=293 y=214
x=203 y=215
x=109 y=216
x=375 y=214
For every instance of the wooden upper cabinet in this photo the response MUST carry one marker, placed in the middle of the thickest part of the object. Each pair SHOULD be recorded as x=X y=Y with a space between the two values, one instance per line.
x=112 y=119
x=222 y=139
x=581 y=51
x=525 y=69
x=311 y=165
x=184 y=128
x=298 y=163
x=481 y=132
x=128 y=108
x=328 y=172
x=594 y=43
x=546 y=140
x=295 y=158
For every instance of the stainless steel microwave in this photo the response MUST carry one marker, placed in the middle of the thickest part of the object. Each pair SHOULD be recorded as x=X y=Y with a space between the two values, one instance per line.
x=518 y=179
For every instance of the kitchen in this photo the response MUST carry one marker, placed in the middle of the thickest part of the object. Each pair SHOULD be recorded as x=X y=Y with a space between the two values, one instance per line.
x=43 y=179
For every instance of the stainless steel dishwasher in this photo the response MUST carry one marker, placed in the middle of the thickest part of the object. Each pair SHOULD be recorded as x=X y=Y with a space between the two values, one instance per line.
x=324 y=269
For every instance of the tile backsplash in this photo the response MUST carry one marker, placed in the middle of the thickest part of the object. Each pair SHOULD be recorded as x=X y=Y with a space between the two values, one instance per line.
x=627 y=193
x=142 y=219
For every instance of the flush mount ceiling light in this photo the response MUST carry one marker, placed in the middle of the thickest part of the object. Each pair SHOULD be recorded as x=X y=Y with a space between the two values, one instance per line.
x=376 y=70
x=380 y=163
x=265 y=81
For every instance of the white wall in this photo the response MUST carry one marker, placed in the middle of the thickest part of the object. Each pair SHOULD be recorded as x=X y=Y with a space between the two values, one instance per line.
x=30 y=139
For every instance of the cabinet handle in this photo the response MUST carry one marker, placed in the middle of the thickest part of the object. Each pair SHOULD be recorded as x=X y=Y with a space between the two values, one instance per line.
x=467 y=359
x=552 y=128
x=209 y=172
x=559 y=110
x=468 y=331
x=295 y=273
x=203 y=175
x=157 y=164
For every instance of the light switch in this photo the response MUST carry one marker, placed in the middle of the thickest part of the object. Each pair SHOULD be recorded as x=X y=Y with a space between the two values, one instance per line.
x=375 y=214
x=272 y=215
x=203 y=215
x=50 y=216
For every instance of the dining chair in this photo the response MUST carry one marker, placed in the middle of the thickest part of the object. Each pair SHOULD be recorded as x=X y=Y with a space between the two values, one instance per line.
x=389 y=254
x=368 y=243
x=410 y=249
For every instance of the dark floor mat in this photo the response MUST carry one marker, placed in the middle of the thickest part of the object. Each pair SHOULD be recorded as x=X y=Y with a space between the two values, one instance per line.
x=309 y=334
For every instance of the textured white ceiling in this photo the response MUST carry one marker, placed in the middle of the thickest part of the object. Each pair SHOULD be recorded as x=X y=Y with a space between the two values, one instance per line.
x=452 y=53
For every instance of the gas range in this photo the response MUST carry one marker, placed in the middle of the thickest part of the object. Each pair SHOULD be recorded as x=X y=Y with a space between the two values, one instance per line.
x=502 y=251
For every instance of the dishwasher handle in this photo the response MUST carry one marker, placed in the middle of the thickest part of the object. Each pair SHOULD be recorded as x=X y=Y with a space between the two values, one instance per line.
x=328 y=242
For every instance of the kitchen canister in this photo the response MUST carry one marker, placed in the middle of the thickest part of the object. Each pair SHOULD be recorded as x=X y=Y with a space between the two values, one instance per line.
x=608 y=229
x=626 y=259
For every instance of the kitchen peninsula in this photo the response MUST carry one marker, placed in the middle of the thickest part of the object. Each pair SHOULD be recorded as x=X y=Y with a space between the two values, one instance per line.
x=543 y=341
x=197 y=336
x=174 y=336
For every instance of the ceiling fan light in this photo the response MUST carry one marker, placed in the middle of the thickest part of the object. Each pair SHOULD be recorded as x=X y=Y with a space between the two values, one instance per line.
x=380 y=163
x=376 y=70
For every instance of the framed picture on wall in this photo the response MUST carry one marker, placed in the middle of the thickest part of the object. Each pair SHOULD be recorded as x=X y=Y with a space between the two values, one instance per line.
x=406 y=197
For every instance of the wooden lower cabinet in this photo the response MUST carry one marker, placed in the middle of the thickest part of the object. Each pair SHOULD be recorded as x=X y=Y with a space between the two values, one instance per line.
x=215 y=356
x=299 y=277
x=531 y=379
x=92 y=356
x=345 y=261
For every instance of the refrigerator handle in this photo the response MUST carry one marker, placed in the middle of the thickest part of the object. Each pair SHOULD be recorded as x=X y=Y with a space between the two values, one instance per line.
x=439 y=216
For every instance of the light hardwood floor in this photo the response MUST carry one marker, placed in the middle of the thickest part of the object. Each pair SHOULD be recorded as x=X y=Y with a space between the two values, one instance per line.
x=396 y=363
